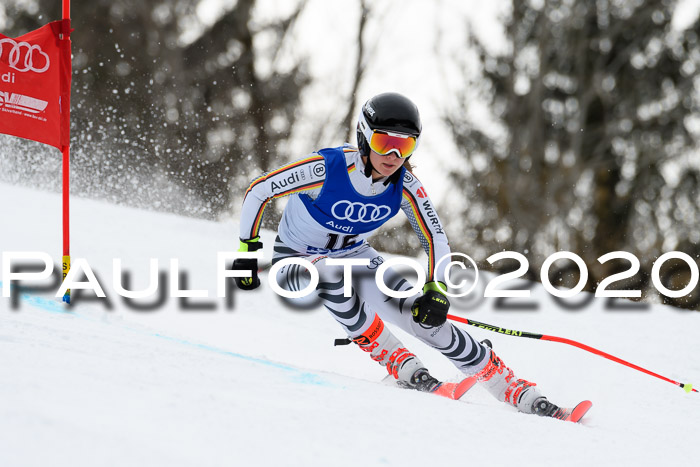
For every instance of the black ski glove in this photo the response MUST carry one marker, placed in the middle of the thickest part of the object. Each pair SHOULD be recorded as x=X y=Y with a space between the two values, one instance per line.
x=248 y=264
x=431 y=307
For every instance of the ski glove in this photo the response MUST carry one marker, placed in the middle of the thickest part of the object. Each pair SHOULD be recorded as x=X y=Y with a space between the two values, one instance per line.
x=431 y=308
x=248 y=264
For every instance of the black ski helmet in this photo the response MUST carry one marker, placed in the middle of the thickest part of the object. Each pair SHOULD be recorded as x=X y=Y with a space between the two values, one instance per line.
x=388 y=111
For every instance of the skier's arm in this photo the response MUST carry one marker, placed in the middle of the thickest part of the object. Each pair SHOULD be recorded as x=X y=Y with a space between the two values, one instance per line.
x=423 y=217
x=302 y=175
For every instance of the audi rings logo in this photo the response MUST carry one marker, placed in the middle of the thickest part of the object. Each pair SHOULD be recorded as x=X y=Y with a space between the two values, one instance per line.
x=23 y=56
x=359 y=212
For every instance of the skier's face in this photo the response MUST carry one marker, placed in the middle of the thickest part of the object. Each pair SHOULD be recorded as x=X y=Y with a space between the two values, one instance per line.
x=385 y=165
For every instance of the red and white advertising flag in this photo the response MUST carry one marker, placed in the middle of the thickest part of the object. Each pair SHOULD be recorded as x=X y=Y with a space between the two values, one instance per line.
x=35 y=78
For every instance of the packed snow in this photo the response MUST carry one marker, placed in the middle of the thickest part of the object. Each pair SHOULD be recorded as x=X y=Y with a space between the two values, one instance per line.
x=250 y=380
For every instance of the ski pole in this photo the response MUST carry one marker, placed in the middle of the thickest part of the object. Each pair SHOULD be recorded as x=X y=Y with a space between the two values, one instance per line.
x=510 y=332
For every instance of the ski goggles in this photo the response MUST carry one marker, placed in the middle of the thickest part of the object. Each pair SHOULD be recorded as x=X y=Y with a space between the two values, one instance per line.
x=385 y=142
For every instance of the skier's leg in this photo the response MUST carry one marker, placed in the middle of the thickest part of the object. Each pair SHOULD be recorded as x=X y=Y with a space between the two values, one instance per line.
x=470 y=357
x=454 y=343
x=362 y=315
x=358 y=318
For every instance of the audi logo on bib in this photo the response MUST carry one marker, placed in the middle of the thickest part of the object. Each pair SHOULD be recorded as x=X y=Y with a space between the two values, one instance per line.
x=359 y=212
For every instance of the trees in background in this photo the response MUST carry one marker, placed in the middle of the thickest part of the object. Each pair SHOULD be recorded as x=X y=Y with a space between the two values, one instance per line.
x=592 y=135
x=159 y=97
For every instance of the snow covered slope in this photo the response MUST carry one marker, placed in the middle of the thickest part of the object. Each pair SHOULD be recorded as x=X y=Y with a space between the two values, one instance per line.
x=255 y=382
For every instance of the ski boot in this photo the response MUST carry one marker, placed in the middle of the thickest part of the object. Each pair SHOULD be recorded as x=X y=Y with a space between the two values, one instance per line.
x=501 y=382
x=523 y=395
x=544 y=408
x=421 y=381
x=404 y=366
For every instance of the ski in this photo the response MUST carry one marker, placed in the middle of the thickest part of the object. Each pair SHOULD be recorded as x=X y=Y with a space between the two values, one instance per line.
x=579 y=411
x=454 y=391
x=547 y=409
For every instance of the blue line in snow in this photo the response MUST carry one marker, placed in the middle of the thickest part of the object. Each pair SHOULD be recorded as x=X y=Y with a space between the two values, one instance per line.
x=300 y=376
x=40 y=302
x=304 y=377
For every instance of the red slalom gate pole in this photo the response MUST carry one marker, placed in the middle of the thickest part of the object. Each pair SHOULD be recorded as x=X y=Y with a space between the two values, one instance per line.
x=66 y=190
x=510 y=332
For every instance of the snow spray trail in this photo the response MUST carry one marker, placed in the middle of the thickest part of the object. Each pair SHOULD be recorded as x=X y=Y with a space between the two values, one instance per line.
x=296 y=375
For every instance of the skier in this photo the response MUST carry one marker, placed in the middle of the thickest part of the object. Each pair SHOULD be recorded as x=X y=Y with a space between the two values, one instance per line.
x=337 y=198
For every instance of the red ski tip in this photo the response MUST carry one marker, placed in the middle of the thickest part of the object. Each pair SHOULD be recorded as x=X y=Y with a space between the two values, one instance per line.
x=463 y=386
x=579 y=411
x=455 y=390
